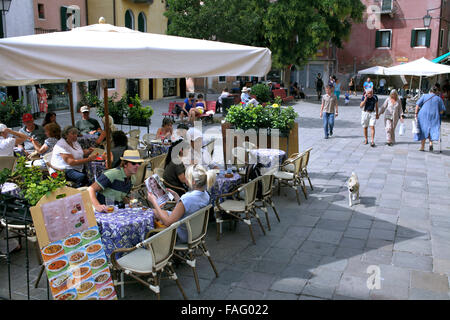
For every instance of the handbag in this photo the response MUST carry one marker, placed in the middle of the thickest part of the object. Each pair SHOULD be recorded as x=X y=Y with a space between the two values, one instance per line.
x=401 y=129
x=415 y=127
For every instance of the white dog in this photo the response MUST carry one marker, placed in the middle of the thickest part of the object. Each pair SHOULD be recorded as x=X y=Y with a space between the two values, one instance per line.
x=353 y=189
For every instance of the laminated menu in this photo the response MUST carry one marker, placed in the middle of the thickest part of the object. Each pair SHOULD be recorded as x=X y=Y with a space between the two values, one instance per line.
x=71 y=247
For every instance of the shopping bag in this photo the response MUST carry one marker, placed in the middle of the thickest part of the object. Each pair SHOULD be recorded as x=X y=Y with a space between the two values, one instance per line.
x=415 y=127
x=401 y=129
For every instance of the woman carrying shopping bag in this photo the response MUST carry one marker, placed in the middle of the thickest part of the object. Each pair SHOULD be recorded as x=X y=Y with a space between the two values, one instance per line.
x=392 y=110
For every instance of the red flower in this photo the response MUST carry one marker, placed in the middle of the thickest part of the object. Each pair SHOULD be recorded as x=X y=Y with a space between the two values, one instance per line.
x=54 y=175
x=3 y=103
x=130 y=105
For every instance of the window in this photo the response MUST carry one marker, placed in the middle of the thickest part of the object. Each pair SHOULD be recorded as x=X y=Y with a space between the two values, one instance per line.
x=386 y=5
x=420 y=38
x=222 y=79
x=441 y=38
x=383 y=38
x=70 y=17
x=129 y=19
x=111 y=83
x=41 y=12
x=142 y=22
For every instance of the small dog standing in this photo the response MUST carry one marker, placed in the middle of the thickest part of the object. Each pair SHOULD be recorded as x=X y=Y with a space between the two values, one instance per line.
x=353 y=189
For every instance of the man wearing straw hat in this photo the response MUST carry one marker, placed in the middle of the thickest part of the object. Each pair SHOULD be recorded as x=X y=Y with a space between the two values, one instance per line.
x=246 y=98
x=115 y=183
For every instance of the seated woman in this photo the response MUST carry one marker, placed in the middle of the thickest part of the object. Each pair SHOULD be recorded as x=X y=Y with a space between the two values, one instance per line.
x=68 y=156
x=102 y=136
x=53 y=133
x=166 y=130
x=174 y=168
x=115 y=183
x=7 y=143
x=199 y=180
x=120 y=144
x=49 y=118
x=200 y=107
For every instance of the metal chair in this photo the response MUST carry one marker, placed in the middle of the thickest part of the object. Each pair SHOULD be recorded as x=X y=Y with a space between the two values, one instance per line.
x=265 y=200
x=236 y=207
x=291 y=177
x=150 y=260
x=197 y=226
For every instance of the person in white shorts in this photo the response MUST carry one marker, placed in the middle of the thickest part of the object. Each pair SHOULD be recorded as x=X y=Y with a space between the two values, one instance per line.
x=369 y=115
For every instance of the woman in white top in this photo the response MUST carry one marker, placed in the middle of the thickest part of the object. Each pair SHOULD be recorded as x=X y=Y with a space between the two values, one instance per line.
x=68 y=156
x=199 y=180
x=392 y=110
x=8 y=143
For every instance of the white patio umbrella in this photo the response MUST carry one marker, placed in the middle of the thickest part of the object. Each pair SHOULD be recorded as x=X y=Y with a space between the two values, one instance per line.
x=104 y=51
x=377 y=70
x=421 y=68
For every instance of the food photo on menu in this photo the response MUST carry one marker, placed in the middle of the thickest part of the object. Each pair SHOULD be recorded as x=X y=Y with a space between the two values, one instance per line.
x=155 y=186
x=77 y=267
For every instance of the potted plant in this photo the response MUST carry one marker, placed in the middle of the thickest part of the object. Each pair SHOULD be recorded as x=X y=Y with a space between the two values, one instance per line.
x=11 y=111
x=137 y=114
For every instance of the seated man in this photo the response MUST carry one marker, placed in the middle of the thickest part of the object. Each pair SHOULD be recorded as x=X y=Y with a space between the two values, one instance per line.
x=32 y=130
x=246 y=99
x=115 y=183
x=87 y=125
x=7 y=143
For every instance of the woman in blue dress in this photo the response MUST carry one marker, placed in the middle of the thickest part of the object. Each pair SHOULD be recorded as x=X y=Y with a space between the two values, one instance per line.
x=428 y=110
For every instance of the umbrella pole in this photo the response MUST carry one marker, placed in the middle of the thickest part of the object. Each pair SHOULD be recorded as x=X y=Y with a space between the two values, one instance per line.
x=420 y=86
x=107 y=127
x=70 y=92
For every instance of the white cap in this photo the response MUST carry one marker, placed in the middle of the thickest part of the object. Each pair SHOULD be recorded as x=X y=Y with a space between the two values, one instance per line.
x=245 y=89
x=84 y=109
x=2 y=127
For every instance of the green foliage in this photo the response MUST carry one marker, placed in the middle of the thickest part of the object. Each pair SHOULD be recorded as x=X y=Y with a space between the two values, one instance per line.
x=136 y=111
x=256 y=117
x=11 y=111
x=126 y=107
x=262 y=92
x=32 y=182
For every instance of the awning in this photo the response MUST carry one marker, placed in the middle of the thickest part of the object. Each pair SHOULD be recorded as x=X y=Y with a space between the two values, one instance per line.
x=441 y=58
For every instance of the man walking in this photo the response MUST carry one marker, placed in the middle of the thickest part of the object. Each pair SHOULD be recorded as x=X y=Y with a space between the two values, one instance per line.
x=329 y=110
x=369 y=114
x=319 y=86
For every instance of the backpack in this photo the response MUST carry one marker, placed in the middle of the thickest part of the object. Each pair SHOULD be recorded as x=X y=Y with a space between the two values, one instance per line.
x=253 y=171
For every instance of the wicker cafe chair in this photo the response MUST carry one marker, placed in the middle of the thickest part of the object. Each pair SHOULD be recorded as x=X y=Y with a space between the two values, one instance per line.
x=240 y=159
x=291 y=178
x=236 y=207
x=305 y=161
x=157 y=162
x=135 y=133
x=266 y=197
x=149 y=259
x=197 y=226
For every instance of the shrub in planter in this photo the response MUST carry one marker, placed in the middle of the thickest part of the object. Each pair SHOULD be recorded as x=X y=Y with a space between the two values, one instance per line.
x=138 y=114
x=262 y=92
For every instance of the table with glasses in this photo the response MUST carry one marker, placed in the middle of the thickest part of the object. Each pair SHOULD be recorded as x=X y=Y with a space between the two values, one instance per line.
x=224 y=185
x=11 y=189
x=158 y=148
x=269 y=158
x=124 y=228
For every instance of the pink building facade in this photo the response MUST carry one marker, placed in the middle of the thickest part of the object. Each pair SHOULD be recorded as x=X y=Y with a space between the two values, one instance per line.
x=58 y=15
x=395 y=35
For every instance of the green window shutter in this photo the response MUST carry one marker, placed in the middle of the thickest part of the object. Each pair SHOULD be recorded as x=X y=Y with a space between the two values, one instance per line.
x=377 y=39
x=413 y=38
x=63 y=11
x=428 y=38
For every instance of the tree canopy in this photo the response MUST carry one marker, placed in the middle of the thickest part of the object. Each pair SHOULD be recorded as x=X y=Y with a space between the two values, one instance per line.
x=292 y=29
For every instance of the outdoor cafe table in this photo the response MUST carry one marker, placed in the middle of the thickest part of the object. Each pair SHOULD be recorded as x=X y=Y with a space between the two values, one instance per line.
x=224 y=185
x=124 y=228
x=87 y=141
x=158 y=148
x=11 y=189
x=268 y=157
x=95 y=169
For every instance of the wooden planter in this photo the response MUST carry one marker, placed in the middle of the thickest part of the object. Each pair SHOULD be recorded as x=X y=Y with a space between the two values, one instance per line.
x=288 y=144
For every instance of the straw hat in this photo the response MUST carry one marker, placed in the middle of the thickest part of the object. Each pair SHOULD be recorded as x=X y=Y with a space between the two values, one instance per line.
x=245 y=89
x=132 y=156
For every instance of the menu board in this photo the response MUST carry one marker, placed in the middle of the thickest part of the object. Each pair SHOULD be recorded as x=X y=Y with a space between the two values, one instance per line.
x=71 y=247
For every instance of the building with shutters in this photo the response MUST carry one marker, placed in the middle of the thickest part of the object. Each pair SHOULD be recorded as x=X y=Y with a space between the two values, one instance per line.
x=392 y=32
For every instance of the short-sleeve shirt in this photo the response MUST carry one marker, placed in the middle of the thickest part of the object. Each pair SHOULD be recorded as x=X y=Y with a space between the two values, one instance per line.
x=50 y=142
x=171 y=173
x=188 y=103
x=38 y=134
x=192 y=202
x=370 y=103
x=7 y=146
x=115 y=185
x=62 y=147
x=86 y=126
x=329 y=103
x=368 y=85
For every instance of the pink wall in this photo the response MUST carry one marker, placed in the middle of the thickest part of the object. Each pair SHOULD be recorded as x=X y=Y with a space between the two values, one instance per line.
x=408 y=15
x=53 y=14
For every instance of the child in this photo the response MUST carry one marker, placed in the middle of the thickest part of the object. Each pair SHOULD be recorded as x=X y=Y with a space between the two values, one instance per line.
x=347 y=98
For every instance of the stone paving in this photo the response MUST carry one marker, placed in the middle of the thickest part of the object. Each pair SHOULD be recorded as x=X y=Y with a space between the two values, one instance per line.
x=322 y=248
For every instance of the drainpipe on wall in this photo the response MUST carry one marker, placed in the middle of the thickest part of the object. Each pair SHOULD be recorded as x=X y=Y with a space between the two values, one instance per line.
x=114 y=12
x=86 y=8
